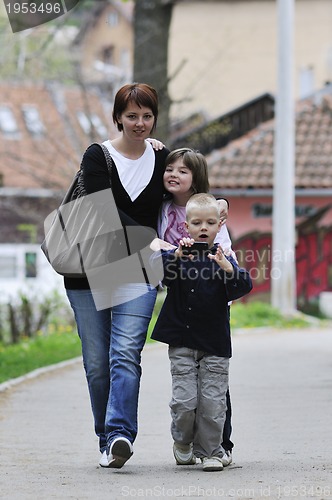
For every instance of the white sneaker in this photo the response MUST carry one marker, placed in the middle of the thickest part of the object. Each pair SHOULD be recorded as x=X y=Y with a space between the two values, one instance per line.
x=103 y=462
x=121 y=450
x=227 y=458
x=184 y=454
x=212 y=464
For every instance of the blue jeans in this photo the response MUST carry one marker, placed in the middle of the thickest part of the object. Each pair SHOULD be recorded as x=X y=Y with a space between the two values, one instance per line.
x=112 y=341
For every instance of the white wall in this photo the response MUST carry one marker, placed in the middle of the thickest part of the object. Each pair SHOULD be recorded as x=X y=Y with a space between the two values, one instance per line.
x=227 y=52
x=13 y=278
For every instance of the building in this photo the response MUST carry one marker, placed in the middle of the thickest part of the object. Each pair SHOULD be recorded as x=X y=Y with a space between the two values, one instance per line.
x=104 y=45
x=221 y=53
x=44 y=131
x=227 y=52
x=242 y=171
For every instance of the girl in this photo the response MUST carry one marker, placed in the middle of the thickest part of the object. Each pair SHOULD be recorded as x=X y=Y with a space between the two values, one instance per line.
x=186 y=174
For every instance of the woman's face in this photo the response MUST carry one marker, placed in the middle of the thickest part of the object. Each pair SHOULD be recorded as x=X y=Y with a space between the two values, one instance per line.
x=137 y=122
x=178 y=178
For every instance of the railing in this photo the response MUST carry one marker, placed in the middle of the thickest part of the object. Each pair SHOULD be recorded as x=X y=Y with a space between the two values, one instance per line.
x=219 y=132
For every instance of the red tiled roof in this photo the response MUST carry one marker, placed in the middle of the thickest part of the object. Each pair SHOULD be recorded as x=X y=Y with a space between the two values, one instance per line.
x=50 y=160
x=247 y=162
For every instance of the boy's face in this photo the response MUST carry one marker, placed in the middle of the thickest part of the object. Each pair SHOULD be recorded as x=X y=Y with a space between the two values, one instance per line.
x=203 y=224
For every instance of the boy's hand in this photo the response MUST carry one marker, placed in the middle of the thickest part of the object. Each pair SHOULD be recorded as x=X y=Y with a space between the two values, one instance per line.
x=185 y=242
x=221 y=260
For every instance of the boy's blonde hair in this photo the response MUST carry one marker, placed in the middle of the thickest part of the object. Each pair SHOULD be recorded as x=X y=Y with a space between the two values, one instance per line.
x=202 y=200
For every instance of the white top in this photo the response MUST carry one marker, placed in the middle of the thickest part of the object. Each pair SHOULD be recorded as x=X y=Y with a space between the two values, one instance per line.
x=134 y=175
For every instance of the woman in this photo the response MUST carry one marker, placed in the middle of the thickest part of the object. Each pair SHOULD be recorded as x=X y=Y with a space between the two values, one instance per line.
x=113 y=338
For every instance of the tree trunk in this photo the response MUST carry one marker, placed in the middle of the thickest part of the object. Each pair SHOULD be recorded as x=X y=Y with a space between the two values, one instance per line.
x=151 y=31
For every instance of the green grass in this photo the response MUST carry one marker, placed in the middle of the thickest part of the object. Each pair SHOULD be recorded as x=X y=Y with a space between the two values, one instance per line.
x=43 y=350
x=251 y=315
x=261 y=314
x=19 y=359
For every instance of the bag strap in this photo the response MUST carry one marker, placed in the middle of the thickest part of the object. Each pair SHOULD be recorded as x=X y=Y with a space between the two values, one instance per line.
x=79 y=189
x=109 y=161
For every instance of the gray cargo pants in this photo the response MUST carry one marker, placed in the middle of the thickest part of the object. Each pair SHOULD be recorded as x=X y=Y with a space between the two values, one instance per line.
x=198 y=405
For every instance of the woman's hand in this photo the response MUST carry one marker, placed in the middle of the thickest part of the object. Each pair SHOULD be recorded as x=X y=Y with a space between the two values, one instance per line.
x=155 y=143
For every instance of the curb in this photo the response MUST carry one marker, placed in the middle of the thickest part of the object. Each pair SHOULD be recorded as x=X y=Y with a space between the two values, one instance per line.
x=36 y=373
x=273 y=329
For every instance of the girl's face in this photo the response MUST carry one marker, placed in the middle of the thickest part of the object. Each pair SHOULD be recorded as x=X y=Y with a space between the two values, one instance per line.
x=178 y=178
x=137 y=122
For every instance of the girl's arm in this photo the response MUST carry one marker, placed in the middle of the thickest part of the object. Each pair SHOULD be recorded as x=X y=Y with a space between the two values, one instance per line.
x=155 y=143
x=158 y=244
x=223 y=209
x=225 y=242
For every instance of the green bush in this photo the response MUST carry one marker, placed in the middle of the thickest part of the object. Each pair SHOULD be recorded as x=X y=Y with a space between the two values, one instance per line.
x=260 y=314
x=27 y=316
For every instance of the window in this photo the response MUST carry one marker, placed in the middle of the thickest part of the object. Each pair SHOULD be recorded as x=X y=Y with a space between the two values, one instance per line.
x=125 y=58
x=30 y=265
x=112 y=19
x=107 y=54
x=8 y=266
x=8 y=123
x=99 y=126
x=86 y=123
x=32 y=120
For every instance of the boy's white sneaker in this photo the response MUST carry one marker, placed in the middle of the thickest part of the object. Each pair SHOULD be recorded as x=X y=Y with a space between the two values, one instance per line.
x=184 y=454
x=103 y=462
x=212 y=464
x=227 y=458
x=121 y=450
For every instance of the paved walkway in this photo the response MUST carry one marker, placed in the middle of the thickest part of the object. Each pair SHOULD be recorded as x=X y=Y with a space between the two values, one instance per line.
x=281 y=387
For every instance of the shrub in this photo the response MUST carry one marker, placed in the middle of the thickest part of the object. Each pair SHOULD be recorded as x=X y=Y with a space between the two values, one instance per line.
x=26 y=317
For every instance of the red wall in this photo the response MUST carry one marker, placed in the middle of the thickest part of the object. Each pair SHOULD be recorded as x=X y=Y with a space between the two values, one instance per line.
x=242 y=219
x=252 y=241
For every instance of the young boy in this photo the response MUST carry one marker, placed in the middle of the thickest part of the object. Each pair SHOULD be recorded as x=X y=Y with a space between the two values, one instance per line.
x=194 y=321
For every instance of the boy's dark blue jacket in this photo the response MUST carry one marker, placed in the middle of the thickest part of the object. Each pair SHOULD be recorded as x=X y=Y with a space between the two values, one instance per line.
x=195 y=313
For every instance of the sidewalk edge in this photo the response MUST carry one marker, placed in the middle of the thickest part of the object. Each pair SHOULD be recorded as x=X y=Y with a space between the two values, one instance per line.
x=36 y=373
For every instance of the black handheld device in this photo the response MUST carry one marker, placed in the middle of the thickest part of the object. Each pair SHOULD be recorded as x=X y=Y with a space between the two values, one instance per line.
x=197 y=248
